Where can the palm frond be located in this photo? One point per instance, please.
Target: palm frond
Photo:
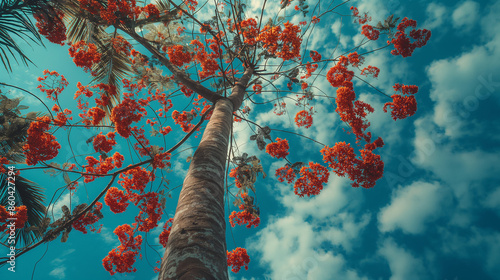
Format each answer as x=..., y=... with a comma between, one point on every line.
x=31, y=195
x=111, y=70
x=15, y=25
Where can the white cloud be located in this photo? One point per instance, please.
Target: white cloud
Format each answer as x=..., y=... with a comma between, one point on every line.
x=403, y=264
x=292, y=245
x=436, y=15
x=493, y=200
x=412, y=207
x=67, y=200
x=478, y=244
x=462, y=84
x=465, y=15
x=59, y=272
x=108, y=236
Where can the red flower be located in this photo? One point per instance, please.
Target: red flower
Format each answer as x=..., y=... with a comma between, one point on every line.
x=311, y=180
x=121, y=45
x=278, y=149
x=123, y=114
x=238, y=258
x=257, y=88
x=315, y=56
x=41, y=145
x=151, y=10
x=364, y=171
x=88, y=219
x=355, y=60
x=402, y=44
x=370, y=70
x=21, y=216
x=104, y=143
x=369, y=32
x=84, y=55
x=122, y=259
x=178, y=56
x=403, y=106
x=3, y=160
x=117, y=200
x=244, y=217
x=285, y=173
x=166, y=232
x=51, y=26
x=52, y=83
x=95, y=114
x=303, y=118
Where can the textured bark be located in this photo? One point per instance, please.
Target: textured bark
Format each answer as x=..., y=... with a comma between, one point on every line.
x=197, y=245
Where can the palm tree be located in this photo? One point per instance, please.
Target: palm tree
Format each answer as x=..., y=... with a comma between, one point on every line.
x=13, y=131
x=15, y=25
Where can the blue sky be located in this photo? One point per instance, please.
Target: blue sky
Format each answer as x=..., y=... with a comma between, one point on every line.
x=434, y=215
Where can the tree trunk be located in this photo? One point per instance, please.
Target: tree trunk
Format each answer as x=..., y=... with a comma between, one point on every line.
x=197, y=245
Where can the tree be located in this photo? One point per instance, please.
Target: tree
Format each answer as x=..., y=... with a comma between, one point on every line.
x=232, y=58
x=14, y=129
x=15, y=25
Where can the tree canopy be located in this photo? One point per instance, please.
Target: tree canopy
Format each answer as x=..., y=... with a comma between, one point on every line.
x=166, y=72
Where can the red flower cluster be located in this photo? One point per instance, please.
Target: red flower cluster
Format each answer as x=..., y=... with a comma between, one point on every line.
x=161, y=160
x=40, y=145
x=3, y=160
x=234, y=174
x=350, y=110
x=370, y=70
x=151, y=211
x=121, y=45
x=257, y=88
x=285, y=173
x=207, y=61
x=166, y=232
x=93, y=116
x=123, y=114
x=52, y=83
x=116, y=199
x=403, y=106
x=88, y=219
x=102, y=166
x=360, y=19
x=21, y=216
x=244, y=217
x=278, y=149
x=248, y=27
x=402, y=43
x=51, y=26
x=122, y=259
x=315, y=56
x=84, y=55
x=311, y=180
x=355, y=60
x=178, y=56
x=310, y=68
x=62, y=117
x=284, y=44
x=104, y=143
x=184, y=119
x=369, y=32
x=151, y=11
x=303, y=118
x=135, y=179
x=238, y=258
x=364, y=171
